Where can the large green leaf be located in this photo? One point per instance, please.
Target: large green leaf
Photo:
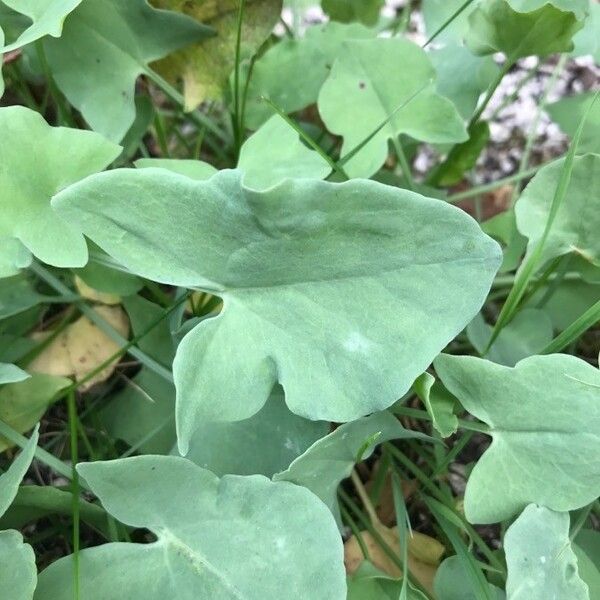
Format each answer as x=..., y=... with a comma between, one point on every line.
x=38, y=161
x=366, y=11
x=47, y=18
x=568, y=112
x=205, y=67
x=331, y=459
x=577, y=221
x=112, y=42
x=22, y=404
x=312, y=55
x=364, y=89
x=544, y=418
x=309, y=272
x=540, y=558
x=234, y=538
x=275, y=153
x=495, y=26
x=18, y=574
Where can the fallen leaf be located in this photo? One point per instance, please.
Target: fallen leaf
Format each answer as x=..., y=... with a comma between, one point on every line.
x=424, y=555
x=94, y=295
x=81, y=348
x=205, y=67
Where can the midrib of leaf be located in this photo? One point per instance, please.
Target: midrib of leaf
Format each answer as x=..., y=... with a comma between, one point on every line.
x=198, y=561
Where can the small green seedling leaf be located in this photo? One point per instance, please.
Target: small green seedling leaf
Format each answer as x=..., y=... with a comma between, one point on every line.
x=230, y=538
x=440, y=404
x=337, y=254
x=540, y=557
x=576, y=224
x=18, y=572
x=330, y=460
x=496, y=26
x=115, y=41
x=544, y=418
x=38, y=161
x=365, y=88
x=47, y=18
x=275, y=153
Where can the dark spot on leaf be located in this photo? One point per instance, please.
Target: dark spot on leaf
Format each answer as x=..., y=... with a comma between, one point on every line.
x=362, y=85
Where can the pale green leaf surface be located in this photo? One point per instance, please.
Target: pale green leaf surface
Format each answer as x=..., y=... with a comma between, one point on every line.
x=331, y=459
x=587, y=40
x=452, y=582
x=577, y=222
x=14, y=256
x=496, y=27
x=234, y=538
x=364, y=89
x=11, y=373
x=544, y=418
x=312, y=56
x=346, y=11
x=195, y=169
x=112, y=42
x=305, y=270
x=47, y=18
x=461, y=76
x=22, y=404
x=18, y=573
x=527, y=334
x=58, y=156
x=540, y=558
x=568, y=112
x=437, y=12
x=264, y=444
x=440, y=404
x=275, y=153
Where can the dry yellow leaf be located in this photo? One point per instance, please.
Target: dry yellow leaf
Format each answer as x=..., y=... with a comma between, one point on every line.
x=81, y=348
x=424, y=555
x=94, y=295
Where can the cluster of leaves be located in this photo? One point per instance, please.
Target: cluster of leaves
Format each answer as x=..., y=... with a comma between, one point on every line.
x=308, y=321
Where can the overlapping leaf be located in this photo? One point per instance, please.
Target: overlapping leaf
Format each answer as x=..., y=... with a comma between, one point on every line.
x=206, y=66
x=57, y=157
x=540, y=558
x=365, y=88
x=576, y=223
x=232, y=538
x=544, y=418
x=308, y=271
x=112, y=42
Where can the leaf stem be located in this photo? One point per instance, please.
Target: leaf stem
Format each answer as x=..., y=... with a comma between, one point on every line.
x=491, y=91
x=72, y=411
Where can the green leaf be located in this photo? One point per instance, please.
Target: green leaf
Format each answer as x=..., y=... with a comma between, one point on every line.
x=47, y=18
x=577, y=220
x=195, y=169
x=437, y=12
x=527, y=334
x=18, y=573
x=452, y=582
x=365, y=87
x=231, y=538
x=312, y=55
x=265, y=444
x=587, y=550
x=462, y=157
x=440, y=404
x=17, y=295
x=23, y=404
x=540, y=558
x=462, y=77
x=275, y=153
x=114, y=43
x=587, y=40
x=30, y=178
x=205, y=67
x=495, y=26
x=365, y=11
x=568, y=112
x=331, y=459
x=579, y=7
x=107, y=280
x=369, y=583
x=544, y=418
x=337, y=254
x=11, y=374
